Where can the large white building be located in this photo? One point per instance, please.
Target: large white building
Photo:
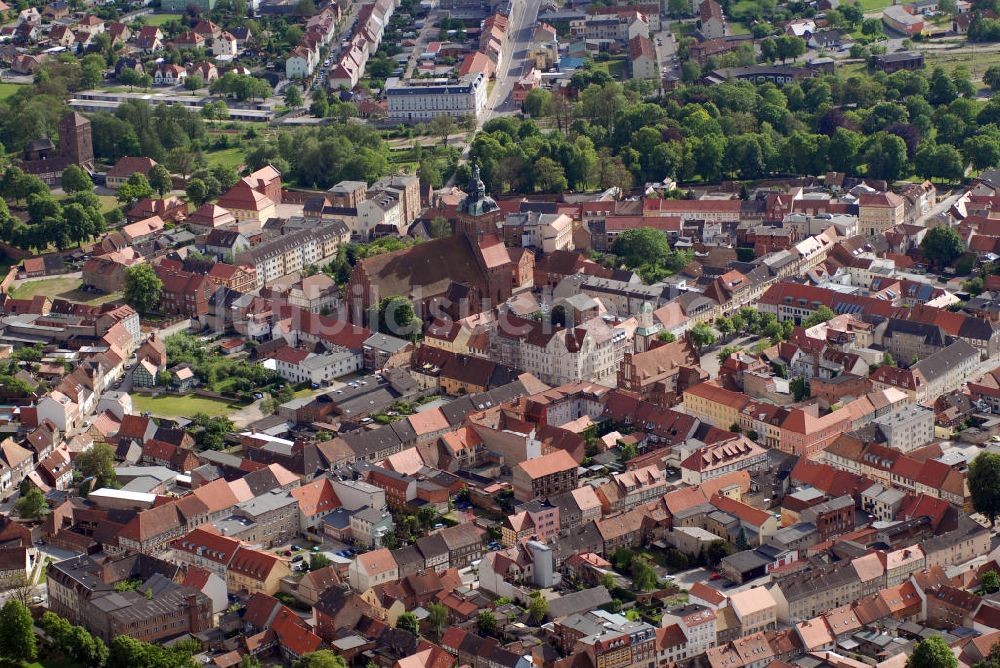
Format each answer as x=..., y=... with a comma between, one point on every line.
x=557, y=356
x=421, y=100
x=301, y=366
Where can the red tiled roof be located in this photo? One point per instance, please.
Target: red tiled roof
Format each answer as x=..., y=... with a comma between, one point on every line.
x=253, y=563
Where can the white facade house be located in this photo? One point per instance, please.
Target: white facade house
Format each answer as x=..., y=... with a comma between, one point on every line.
x=299, y=366
x=419, y=101
x=384, y=209
x=225, y=45
x=590, y=351
x=301, y=63
x=60, y=409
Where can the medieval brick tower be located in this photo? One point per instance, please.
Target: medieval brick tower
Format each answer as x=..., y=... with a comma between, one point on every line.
x=75, y=140
x=478, y=213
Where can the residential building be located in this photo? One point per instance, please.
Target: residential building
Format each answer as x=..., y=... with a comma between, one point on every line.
x=880, y=211
x=372, y=568
x=547, y=475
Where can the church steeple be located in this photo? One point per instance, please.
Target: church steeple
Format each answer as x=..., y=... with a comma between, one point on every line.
x=647, y=329
x=478, y=213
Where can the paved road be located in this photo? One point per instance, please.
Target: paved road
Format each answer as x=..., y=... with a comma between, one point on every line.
x=513, y=66
x=515, y=62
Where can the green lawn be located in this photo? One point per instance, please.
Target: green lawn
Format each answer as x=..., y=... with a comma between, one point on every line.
x=737, y=28
x=160, y=19
x=8, y=89
x=229, y=157
x=873, y=5
x=62, y=287
x=170, y=405
x=108, y=202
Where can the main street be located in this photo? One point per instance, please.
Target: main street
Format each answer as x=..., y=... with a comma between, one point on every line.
x=513, y=66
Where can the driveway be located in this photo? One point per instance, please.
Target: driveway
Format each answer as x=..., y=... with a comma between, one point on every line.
x=248, y=414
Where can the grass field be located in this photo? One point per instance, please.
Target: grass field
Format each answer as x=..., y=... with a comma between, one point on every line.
x=62, y=287
x=108, y=202
x=873, y=5
x=160, y=19
x=976, y=63
x=8, y=89
x=229, y=157
x=179, y=406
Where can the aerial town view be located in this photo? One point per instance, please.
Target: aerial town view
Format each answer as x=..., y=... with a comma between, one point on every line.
x=500, y=333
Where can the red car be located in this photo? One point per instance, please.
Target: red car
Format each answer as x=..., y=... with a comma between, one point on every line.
x=715, y=576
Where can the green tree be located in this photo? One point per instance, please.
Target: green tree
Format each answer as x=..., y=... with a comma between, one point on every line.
x=678, y=8
x=984, y=484
x=888, y=359
x=992, y=77
x=789, y=46
x=638, y=246
x=32, y=504
x=196, y=191
x=98, y=463
x=820, y=315
x=396, y=317
x=886, y=157
x=407, y=621
x=75, y=180
x=17, y=634
x=982, y=151
x=160, y=180
x=134, y=189
x=143, y=288
x=871, y=27
x=943, y=90
x=486, y=622
x=702, y=335
x=666, y=337
x=437, y=618
x=439, y=227
x=932, y=652
x=442, y=126
x=799, y=387
x=549, y=176
x=643, y=575
x=716, y=551
x=939, y=160
x=538, y=607
x=608, y=581
x=537, y=102
x=942, y=246
x=293, y=96
x=989, y=582
x=318, y=561
x=324, y=658
x=210, y=431
x=629, y=451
